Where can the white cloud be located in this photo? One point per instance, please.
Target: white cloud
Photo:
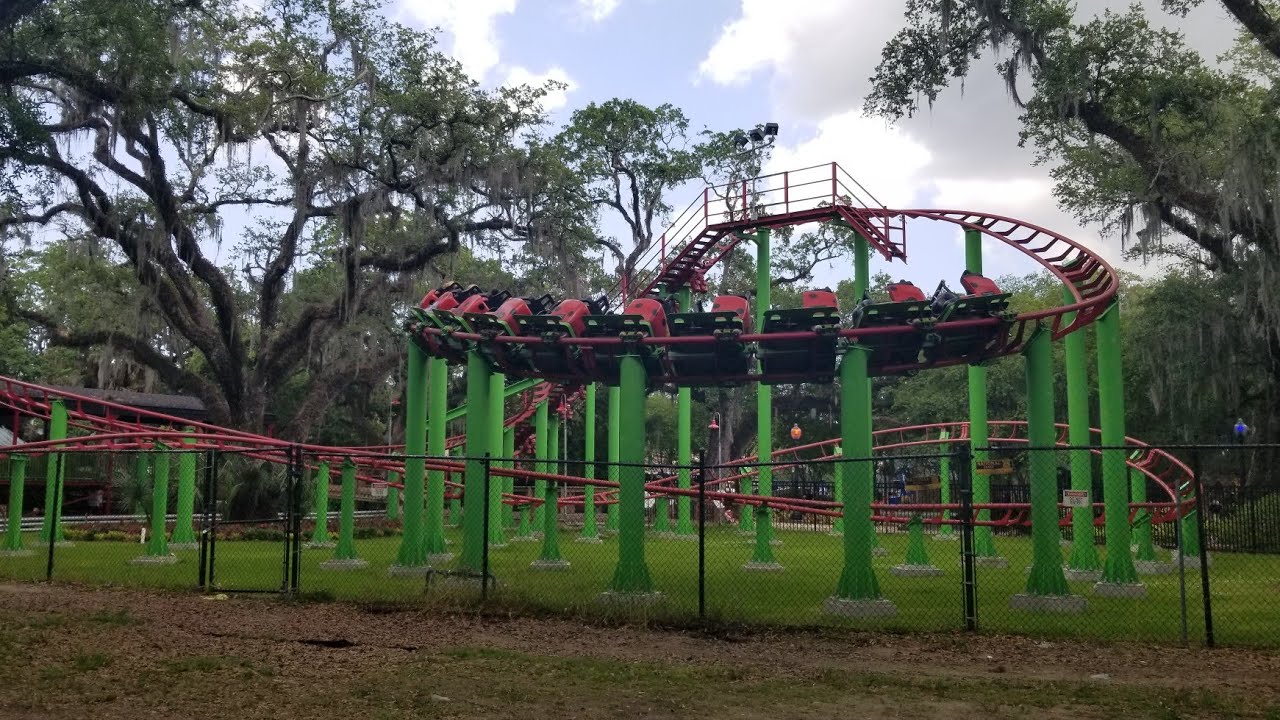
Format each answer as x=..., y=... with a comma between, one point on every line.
x=765, y=37
x=1013, y=194
x=555, y=99
x=597, y=10
x=884, y=160
x=470, y=24
x=960, y=154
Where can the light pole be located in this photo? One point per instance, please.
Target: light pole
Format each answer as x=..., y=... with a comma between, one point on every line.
x=753, y=141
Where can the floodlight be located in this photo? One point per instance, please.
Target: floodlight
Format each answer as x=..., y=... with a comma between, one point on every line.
x=741, y=140
x=756, y=135
x=771, y=129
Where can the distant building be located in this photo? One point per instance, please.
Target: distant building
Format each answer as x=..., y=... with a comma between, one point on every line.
x=89, y=476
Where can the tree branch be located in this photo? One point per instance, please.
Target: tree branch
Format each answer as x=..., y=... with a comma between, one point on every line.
x=1253, y=15
x=141, y=349
x=43, y=218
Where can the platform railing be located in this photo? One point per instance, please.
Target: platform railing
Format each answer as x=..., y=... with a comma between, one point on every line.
x=727, y=206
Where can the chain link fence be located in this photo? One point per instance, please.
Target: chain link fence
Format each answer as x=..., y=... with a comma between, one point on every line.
x=1134, y=543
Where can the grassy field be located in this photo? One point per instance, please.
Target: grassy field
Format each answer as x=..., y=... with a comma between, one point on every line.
x=1245, y=588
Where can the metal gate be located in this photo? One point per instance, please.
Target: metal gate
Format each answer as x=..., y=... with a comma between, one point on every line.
x=250, y=536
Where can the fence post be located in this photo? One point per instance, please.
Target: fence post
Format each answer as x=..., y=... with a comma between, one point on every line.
x=56, y=516
x=702, y=537
x=1204, y=549
x=295, y=520
x=211, y=497
x=287, y=521
x=202, y=571
x=969, y=577
x=484, y=551
x=1182, y=568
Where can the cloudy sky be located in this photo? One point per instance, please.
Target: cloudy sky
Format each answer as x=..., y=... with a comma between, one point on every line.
x=804, y=64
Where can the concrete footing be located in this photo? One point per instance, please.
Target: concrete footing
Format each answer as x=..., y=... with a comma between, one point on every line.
x=1191, y=561
x=184, y=546
x=991, y=561
x=169, y=559
x=1062, y=604
x=879, y=551
x=319, y=546
x=439, y=558
x=348, y=564
x=584, y=539
x=1120, y=590
x=630, y=599
x=763, y=567
x=949, y=537
x=408, y=570
x=860, y=608
x=549, y=565
x=16, y=553
x=1085, y=575
x=915, y=570
x=1153, y=567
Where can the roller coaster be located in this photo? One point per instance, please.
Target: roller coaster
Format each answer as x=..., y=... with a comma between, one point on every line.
x=648, y=332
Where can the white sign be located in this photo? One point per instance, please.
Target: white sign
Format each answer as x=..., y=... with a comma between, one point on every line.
x=1075, y=498
x=378, y=491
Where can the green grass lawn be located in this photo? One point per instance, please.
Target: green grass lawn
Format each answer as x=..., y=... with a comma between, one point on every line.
x=1245, y=588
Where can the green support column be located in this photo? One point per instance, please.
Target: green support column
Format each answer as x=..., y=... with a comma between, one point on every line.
x=837, y=491
x=1144, y=559
x=393, y=495
x=157, y=543
x=1046, y=585
x=1083, y=563
x=497, y=415
x=662, y=515
x=1119, y=576
x=550, y=558
x=320, y=536
x=684, y=445
x=524, y=531
x=456, y=513
x=344, y=555
x=1190, y=534
x=917, y=564
x=53, y=491
x=413, y=551
x=662, y=504
x=541, y=448
x=590, y=534
x=478, y=433
x=857, y=592
x=984, y=546
x=861, y=286
x=508, y=484
x=614, y=450
x=13, y=533
x=945, y=531
x=434, y=545
x=631, y=577
x=184, y=532
x=762, y=557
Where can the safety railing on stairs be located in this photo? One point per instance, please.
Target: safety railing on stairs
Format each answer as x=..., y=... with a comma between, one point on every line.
x=710, y=227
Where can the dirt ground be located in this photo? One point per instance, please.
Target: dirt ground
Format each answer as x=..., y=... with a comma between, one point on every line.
x=70, y=652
